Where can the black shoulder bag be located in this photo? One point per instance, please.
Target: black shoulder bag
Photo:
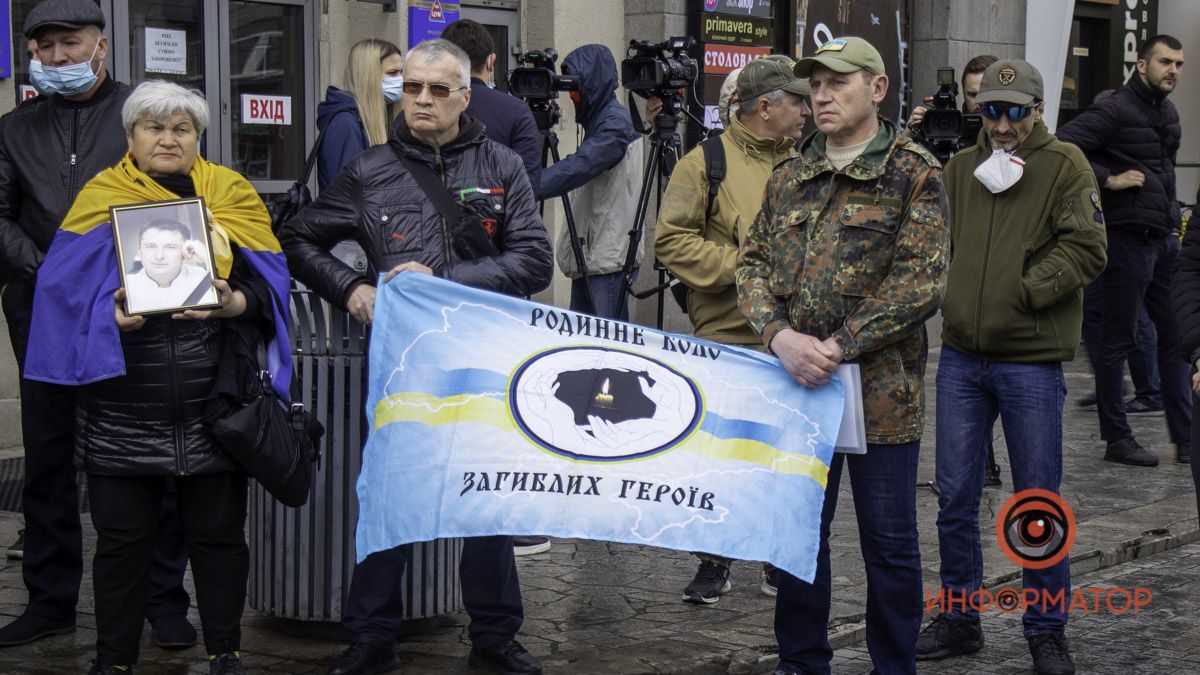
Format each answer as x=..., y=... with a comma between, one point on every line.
x=283, y=207
x=468, y=235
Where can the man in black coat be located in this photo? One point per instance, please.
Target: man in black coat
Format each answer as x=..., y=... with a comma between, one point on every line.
x=1131, y=139
x=377, y=201
x=50, y=147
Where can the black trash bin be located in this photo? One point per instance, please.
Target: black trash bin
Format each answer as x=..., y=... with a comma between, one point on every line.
x=301, y=559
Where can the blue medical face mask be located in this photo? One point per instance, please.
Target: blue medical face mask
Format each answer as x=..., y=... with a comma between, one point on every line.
x=393, y=87
x=69, y=80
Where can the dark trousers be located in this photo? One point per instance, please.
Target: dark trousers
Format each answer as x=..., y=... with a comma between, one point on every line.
x=126, y=511
x=1143, y=360
x=53, y=559
x=491, y=593
x=1139, y=272
x=883, y=483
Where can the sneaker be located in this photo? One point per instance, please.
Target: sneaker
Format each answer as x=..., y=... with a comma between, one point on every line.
x=770, y=584
x=991, y=476
x=949, y=637
x=710, y=582
x=226, y=664
x=1136, y=407
x=1050, y=654
x=17, y=550
x=530, y=545
x=173, y=631
x=98, y=669
x=1183, y=453
x=365, y=658
x=30, y=627
x=1128, y=451
x=507, y=657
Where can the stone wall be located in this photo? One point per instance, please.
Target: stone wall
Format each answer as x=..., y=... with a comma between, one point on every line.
x=951, y=32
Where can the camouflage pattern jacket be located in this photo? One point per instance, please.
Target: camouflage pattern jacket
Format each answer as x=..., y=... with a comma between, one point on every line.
x=860, y=255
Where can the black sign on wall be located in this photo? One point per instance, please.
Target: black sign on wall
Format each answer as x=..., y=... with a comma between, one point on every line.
x=883, y=23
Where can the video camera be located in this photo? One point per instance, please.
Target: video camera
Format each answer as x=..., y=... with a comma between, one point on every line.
x=659, y=69
x=536, y=80
x=946, y=129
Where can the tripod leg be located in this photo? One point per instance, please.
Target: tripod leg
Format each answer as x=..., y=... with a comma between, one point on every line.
x=550, y=143
x=639, y=224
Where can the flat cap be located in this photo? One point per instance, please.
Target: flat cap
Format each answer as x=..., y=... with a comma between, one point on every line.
x=69, y=14
x=768, y=74
x=843, y=55
x=1010, y=81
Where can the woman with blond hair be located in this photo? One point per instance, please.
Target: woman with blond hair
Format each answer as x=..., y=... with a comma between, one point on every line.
x=359, y=116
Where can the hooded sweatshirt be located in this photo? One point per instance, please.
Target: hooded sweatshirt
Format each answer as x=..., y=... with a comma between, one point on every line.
x=342, y=134
x=603, y=176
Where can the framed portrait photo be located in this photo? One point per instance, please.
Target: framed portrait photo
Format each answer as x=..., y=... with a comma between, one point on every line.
x=164, y=256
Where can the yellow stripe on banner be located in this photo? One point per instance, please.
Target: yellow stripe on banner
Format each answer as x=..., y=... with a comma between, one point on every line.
x=434, y=411
x=414, y=406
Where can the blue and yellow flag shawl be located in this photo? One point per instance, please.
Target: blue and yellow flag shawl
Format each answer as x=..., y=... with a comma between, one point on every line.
x=78, y=340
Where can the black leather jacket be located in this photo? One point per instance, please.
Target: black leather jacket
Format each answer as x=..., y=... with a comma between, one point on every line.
x=376, y=202
x=49, y=148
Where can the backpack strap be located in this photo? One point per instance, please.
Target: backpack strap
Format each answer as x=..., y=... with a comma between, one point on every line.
x=714, y=171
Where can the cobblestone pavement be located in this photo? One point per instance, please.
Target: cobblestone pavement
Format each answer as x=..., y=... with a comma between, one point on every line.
x=1161, y=638
x=597, y=607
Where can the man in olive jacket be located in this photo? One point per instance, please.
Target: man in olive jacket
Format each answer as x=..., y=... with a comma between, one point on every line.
x=698, y=234
x=1026, y=235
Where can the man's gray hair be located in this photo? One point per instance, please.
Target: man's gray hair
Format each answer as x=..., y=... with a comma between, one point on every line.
x=431, y=50
x=772, y=97
x=159, y=99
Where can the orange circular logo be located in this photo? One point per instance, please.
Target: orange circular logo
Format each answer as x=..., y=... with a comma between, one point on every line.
x=1035, y=528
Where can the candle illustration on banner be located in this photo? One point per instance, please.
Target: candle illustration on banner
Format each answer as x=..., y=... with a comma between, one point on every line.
x=604, y=398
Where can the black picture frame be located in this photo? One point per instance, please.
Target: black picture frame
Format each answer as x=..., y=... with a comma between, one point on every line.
x=176, y=229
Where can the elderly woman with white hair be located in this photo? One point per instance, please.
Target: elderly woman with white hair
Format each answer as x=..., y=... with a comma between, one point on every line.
x=147, y=384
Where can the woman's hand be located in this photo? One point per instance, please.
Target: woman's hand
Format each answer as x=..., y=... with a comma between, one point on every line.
x=233, y=304
x=125, y=322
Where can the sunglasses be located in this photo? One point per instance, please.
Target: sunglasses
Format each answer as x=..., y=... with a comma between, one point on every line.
x=414, y=88
x=1015, y=113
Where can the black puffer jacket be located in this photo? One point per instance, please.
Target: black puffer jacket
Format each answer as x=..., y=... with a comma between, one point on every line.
x=148, y=422
x=1185, y=291
x=49, y=148
x=376, y=202
x=1134, y=128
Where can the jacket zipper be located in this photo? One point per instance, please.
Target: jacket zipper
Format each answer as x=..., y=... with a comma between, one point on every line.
x=437, y=156
x=983, y=276
x=71, y=189
x=176, y=412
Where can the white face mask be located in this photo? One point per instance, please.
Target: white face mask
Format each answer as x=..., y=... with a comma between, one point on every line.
x=1001, y=171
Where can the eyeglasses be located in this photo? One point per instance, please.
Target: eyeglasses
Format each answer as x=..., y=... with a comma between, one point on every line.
x=1015, y=113
x=414, y=88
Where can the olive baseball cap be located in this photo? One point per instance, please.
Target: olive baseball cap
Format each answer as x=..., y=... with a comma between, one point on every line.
x=1010, y=81
x=843, y=55
x=69, y=14
x=768, y=74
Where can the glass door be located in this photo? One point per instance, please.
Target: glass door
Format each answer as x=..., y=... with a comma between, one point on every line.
x=504, y=28
x=266, y=60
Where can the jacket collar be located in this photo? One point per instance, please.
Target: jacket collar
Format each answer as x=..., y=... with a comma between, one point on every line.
x=470, y=132
x=754, y=145
x=1143, y=91
x=868, y=166
x=1039, y=138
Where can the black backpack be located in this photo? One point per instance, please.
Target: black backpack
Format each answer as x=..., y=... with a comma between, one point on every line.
x=714, y=171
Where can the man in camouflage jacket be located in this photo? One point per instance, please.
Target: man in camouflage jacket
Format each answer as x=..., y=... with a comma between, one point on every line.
x=845, y=262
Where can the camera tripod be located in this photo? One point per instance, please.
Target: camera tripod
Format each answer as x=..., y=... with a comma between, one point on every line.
x=664, y=152
x=546, y=114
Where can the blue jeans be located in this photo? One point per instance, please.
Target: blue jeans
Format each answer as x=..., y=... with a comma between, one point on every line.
x=604, y=293
x=1028, y=397
x=884, y=485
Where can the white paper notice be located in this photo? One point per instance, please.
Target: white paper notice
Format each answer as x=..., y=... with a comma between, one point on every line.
x=852, y=437
x=166, y=51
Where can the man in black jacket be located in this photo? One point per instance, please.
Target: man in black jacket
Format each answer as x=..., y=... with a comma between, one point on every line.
x=1131, y=139
x=50, y=147
x=378, y=202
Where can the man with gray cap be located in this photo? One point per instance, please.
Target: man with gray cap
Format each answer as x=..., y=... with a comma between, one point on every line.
x=699, y=229
x=49, y=148
x=1027, y=235
x=845, y=262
